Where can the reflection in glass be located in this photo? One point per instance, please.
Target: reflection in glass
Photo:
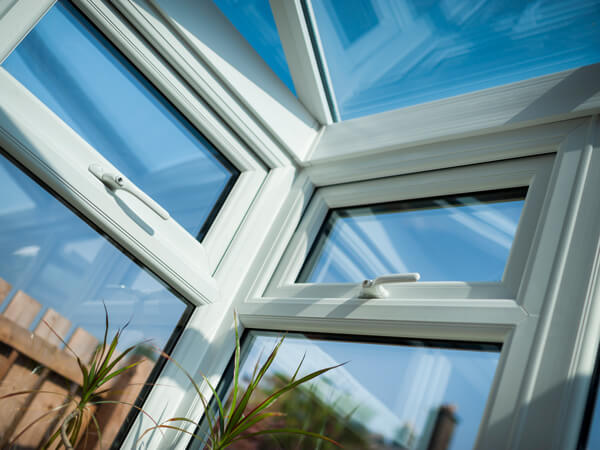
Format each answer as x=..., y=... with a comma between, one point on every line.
x=60, y=269
x=387, y=396
x=80, y=76
x=254, y=20
x=394, y=53
x=463, y=237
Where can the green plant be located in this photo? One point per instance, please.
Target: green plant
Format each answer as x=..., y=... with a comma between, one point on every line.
x=102, y=368
x=233, y=424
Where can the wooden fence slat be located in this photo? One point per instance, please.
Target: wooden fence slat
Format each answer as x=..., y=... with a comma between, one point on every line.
x=111, y=416
x=5, y=352
x=37, y=349
x=37, y=404
x=83, y=344
x=36, y=361
x=59, y=324
x=5, y=288
x=21, y=310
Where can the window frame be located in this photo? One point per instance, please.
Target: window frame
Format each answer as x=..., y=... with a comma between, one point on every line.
x=527, y=366
x=197, y=272
x=207, y=254
x=550, y=335
x=221, y=66
x=532, y=172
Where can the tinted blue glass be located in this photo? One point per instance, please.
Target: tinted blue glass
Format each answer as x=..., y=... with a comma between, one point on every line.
x=84, y=80
x=453, y=238
x=69, y=273
x=419, y=51
x=254, y=20
x=593, y=438
x=53, y=256
x=386, y=396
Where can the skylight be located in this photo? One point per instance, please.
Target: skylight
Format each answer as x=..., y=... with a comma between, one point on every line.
x=254, y=20
x=388, y=54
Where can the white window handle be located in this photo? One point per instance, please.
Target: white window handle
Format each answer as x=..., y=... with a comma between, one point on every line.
x=115, y=181
x=375, y=289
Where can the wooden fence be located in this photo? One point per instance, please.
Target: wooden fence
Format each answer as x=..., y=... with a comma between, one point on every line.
x=35, y=360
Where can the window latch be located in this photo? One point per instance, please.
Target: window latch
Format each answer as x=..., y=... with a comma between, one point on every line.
x=115, y=181
x=375, y=289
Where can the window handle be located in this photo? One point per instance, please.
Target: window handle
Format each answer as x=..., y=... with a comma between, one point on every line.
x=115, y=181
x=375, y=289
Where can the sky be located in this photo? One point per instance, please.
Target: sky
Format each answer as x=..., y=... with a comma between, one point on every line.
x=411, y=52
x=79, y=75
x=391, y=384
x=445, y=240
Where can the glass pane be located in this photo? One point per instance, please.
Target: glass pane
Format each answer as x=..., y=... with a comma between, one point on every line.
x=54, y=266
x=79, y=75
x=387, y=396
x=464, y=237
x=254, y=20
x=388, y=54
x=589, y=438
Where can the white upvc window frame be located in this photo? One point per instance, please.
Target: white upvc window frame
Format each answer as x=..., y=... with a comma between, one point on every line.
x=200, y=272
x=210, y=54
x=524, y=323
x=550, y=330
x=26, y=112
x=532, y=173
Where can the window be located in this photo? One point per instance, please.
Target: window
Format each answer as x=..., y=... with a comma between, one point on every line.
x=152, y=146
x=284, y=164
x=397, y=405
x=421, y=236
x=418, y=52
x=107, y=102
x=57, y=269
x=370, y=248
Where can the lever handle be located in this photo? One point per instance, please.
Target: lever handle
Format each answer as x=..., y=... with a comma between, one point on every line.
x=375, y=289
x=115, y=181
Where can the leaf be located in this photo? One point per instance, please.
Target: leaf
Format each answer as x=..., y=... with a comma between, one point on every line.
x=181, y=430
x=117, y=402
x=118, y=372
x=274, y=396
x=47, y=413
x=239, y=410
x=97, y=425
x=30, y=391
x=105, y=331
x=238, y=430
x=298, y=368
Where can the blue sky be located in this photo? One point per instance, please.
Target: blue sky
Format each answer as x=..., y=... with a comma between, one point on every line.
x=391, y=384
x=84, y=80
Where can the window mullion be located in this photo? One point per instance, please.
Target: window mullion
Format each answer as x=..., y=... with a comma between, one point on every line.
x=17, y=19
x=210, y=54
x=208, y=341
x=302, y=61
